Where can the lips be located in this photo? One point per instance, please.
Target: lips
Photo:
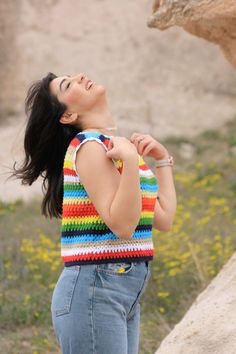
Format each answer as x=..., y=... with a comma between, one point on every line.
x=88, y=84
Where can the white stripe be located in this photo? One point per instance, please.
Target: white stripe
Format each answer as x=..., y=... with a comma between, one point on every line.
x=70, y=179
x=146, y=173
x=96, y=249
x=76, y=179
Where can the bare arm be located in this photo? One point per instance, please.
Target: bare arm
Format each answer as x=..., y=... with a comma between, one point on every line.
x=127, y=204
x=165, y=208
x=116, y=197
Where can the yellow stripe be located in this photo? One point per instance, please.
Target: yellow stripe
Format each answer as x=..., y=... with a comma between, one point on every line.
x=81, y=220
x=141, y=161
x=149, y=194
x=147, y=214
x=74, y=201
x=68, y=164
x=118, y=163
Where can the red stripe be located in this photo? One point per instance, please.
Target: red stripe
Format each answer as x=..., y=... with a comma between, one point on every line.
x=75, y=142
x=78, y=210
x=143, y=167
x=78, y=140
x=106, y=141
x=104, y=255
x=148, y=202
x=69, y=172
x=147, y=208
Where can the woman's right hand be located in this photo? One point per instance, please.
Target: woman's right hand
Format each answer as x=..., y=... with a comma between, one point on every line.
x=120, y=148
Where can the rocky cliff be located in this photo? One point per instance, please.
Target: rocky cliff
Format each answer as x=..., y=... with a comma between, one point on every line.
x=209, y=326
x=214, y=20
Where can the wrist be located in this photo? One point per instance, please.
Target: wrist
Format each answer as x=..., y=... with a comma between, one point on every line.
x=165, y=156
x=132, y=157
x=169, y=161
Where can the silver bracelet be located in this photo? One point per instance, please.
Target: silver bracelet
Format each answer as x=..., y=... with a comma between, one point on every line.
x=162, y=163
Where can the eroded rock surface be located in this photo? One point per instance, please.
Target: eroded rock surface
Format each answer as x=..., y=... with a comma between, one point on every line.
x=9, y=25
x=209, y=326
x=214, y=20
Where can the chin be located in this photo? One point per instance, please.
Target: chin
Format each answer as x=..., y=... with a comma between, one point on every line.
x=100, y=88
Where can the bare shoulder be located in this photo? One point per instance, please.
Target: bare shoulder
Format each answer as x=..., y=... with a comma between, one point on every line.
x=99, y=177
x=91, y=162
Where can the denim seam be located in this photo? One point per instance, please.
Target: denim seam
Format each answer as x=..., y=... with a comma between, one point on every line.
x=65, y=310
x=132, y=310
x=92, y=313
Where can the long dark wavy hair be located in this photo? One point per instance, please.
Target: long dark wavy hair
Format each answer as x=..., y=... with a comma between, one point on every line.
x=45, y=143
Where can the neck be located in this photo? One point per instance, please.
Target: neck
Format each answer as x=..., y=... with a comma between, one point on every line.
x=105, y=130
x=100, y=120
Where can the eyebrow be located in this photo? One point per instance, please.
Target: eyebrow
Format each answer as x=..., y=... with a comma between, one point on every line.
x=62, y=82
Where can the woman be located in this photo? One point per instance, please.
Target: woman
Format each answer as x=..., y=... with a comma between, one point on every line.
x=106, y=196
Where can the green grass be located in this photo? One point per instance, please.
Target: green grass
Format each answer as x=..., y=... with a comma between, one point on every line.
x=186, y=258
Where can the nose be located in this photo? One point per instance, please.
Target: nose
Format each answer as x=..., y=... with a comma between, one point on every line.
x=79, y=77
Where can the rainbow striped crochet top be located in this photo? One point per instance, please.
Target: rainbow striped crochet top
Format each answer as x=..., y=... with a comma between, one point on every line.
x=85, y=238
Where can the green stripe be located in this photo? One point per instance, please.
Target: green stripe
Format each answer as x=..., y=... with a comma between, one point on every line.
x=72, y=186
x=88, y=226
x=145, y=221
x=84, y=226
x=150, y=180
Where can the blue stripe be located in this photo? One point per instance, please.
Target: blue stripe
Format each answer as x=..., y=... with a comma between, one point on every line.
x=75, y=193
x=149, y=187
x=93, y=231
x=82, y=193
x=87, y=134
x=105, y=237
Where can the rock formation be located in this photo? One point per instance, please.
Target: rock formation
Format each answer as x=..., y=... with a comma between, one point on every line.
x=9, y=21
x=214, y=20
x=209, y=326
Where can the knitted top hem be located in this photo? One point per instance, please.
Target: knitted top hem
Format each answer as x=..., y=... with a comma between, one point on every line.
x=111, y=260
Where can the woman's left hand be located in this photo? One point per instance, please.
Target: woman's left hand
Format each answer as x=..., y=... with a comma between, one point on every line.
x=148, y=146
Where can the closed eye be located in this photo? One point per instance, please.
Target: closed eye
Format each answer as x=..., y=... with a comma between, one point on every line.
x=68, y=85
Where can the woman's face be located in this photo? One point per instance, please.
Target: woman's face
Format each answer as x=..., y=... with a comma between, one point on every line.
x=76, y=93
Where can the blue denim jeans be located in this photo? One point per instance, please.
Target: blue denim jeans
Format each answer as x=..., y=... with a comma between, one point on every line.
x=96, y=310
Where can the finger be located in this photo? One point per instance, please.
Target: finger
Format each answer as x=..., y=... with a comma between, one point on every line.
x=137, y=143
x=141, y=139
x=138, y=137
x=142, y=145
x=148, y=148
x=134, y=136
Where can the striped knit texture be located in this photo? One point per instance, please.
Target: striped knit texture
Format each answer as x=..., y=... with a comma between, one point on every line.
x=85, y=238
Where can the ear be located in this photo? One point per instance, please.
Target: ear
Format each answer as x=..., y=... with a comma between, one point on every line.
x=68, y=117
